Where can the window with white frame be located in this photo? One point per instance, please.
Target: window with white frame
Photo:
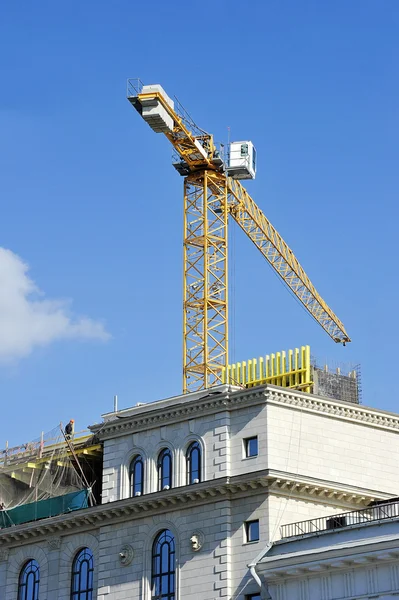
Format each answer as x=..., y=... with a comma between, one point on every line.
x=251, y=531
x=251, y=447
x=29, y=579
x=136, y=476
x=163, y=572
x=82, y=575
x=193, y=463
x=164, y=467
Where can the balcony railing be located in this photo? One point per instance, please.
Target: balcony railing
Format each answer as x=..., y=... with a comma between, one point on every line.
x=356, y=517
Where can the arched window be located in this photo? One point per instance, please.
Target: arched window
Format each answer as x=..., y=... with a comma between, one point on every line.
x=164, y=469
x=29, y=578
x=163, y=567
x=193, y=462
x=136, y=476
x=82, y=575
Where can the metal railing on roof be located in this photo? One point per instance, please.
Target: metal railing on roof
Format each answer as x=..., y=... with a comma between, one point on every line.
x=378, y=512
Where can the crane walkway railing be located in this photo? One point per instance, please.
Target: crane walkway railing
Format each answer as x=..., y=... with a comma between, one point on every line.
x=134, y=87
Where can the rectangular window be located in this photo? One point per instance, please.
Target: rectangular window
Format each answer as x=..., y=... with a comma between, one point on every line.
x=244, y=149
x=252, y=597
x=252, y=531
x=251, y=446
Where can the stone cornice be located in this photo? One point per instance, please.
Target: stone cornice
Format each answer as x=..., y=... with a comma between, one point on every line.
x=173, y=413
x=207, y=492
x=182, y=410
x=130, y=508
x=322, y=491
x=333, y=408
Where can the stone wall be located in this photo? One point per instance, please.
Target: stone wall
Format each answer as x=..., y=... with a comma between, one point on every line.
x=334, y=442
x=55, y=557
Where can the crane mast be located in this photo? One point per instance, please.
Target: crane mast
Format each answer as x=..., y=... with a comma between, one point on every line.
x=210, y=197
x=205, y=291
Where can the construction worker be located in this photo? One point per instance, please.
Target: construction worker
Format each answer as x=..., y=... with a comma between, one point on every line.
x=69, y=429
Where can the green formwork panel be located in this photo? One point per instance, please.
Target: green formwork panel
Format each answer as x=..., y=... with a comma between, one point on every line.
x=44, y=508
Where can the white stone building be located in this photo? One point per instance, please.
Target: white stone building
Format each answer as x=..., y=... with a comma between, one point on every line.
x=350, y=556
x=195, y=487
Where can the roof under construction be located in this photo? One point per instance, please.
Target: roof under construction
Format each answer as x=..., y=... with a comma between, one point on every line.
x=53, y=466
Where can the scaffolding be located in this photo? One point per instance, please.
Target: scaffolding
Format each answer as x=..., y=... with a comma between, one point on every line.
x=49, y=467
x=340, y=382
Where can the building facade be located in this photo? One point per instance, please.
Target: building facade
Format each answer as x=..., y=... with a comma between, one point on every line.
x=352, y=556
x=195, y=487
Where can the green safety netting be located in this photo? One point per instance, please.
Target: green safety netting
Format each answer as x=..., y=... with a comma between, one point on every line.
x=44, y=508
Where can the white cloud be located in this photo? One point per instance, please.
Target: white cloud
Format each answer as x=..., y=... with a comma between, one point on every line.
x=28, y=319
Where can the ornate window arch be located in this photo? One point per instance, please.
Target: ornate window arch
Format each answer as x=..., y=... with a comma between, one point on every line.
x=136, y=476
x=163, y=571
x=82, y=583
x=29, y=579
x=165, y=469
x=193, y=463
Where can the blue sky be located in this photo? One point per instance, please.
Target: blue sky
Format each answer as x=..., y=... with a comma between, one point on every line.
x=91, y=202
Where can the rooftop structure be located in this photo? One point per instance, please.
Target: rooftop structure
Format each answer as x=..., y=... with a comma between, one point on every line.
x=295, y=369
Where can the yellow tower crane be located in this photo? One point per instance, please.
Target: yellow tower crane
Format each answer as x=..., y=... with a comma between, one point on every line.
x=212, y=194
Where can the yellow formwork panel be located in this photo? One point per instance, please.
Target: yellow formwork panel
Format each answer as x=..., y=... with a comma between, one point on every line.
x=290, y=369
